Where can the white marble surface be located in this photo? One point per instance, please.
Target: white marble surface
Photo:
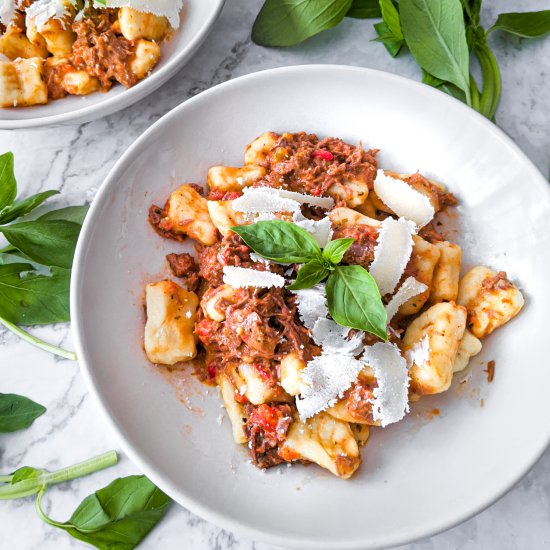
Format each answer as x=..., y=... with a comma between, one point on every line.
x=77, y=158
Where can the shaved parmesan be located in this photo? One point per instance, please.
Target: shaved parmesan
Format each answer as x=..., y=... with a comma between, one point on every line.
x=409, y=289
x=403, y=199
x=41, y=11
x=392, y=253
x=7, y=11
x=258, y=259
x=256, y=200
x=244, y=277
x=333, y=337
x=419, y=354
x=321, y=230
x=322, y=202
x=312, y=304
x=325, y=379
x=391, y=396
x=163, y=8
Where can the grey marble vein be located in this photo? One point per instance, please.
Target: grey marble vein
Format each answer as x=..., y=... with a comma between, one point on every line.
x=77, y=158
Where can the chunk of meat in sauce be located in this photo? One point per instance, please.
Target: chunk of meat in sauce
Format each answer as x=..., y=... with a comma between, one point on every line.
x=101, y=52
x=157, y=219
x=361, y=251
x=265, y=430
x=184, y=266
x=301, y=162
x=499, y=281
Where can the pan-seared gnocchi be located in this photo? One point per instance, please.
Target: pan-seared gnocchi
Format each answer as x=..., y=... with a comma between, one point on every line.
x=86, y=46
x=490, y=298
x=431, y=343
x=299, y=384
x=171, y=313
x=324, y=440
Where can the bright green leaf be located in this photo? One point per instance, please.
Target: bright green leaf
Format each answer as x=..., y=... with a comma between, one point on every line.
x=17, y=412
x=119, y=516
x=74, y=214
x=289, y=22
x=279, y=241
x=21, y=207
x=26, y=472
x=30, y=298
x=354, y=300
x=8, y=185
x=48, y=242
x=392, y=44
x=309, y=275
x=525, y=24
x=364, y=9
x=435, y=33
x=335, y=250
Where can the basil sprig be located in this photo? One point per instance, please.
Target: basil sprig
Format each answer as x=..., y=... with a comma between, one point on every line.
x=35, y=291
x=353, y=297
x=442, y=35
x=17, y=412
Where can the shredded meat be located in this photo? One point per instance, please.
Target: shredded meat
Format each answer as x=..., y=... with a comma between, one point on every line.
x=499, y=281
x=360, y=398
x=54, y=72
x=157, y=218
x=101, y=52
x=301, y=162
x=265, y=430
x=361, y=250
x=184, y=266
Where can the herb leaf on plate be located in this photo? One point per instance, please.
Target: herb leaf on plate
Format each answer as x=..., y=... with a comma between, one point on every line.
x=289, y=22
x=334, y=251
x=17, y=412
x=309, y=275
x=8, y=185
x=279, y=241
x=354, y=300
x=435, y=33
x=524, y=24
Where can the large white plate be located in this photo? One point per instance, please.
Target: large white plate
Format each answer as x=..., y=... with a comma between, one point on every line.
x=197, y=18
x=419, y=476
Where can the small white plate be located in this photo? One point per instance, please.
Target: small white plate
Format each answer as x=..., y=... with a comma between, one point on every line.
x=418, y=477
x=197, y=18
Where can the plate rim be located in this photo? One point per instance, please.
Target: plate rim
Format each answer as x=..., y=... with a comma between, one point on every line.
x=239, y=526
x=130, y=96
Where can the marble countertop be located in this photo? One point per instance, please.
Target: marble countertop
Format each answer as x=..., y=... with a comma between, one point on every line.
x=76, y=159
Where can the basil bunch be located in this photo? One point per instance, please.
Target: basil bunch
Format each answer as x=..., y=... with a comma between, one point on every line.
x=442, y=35
x=117, y=517
x=352, y=295
x=35, y=266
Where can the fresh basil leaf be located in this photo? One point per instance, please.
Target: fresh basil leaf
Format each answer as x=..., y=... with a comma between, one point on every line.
x=354, y=300
x=446, y=87
x=528, y=24
x=435, y=33
x=8, y=185
x=26, y=472
x=289, y=22
x=48, y=242
x=309, y=275
x=17, y=412
x=21, y=207
x=392, y=44
x=364, y=9
x=119, y=516
x=390, y=15
x=279, y=241
x=30, y=298
x=431, y=80
x=335, y=250
x=74, y=214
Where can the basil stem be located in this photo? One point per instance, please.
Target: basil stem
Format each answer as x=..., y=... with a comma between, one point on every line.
x=43, y=515
x=474, y=92
x=490, y=95
x=38, y=342
x=34, y=485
